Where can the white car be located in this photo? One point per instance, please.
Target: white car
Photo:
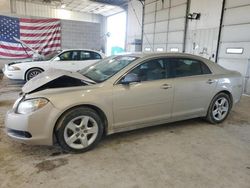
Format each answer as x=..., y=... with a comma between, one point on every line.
x=71, y=60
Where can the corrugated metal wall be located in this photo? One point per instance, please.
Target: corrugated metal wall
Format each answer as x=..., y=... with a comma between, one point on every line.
x=202, y=42
x=164, y=25
x=234, y=49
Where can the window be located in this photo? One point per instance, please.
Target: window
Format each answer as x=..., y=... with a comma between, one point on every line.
x=66, y=56
x=69, y=56
x=155, y=69
x=234, y=50
x=189, y=67
x=174, y=49
x=159, y=49
x=147, y=49
x=86, y=55
x=95, y=55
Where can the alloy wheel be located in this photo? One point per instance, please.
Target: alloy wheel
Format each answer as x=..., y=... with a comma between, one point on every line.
x=220, y=108
x=80, y=132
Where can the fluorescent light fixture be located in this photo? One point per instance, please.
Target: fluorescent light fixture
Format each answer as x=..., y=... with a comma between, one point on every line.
x=174, y=49
x=234, y=50
x=159, y=49
x=63, y=6
x=147, y=49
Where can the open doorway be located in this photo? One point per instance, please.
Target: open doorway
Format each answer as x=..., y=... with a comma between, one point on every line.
x=116, y=27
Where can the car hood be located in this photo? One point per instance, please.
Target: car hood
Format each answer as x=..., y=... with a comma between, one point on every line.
x=54, y=78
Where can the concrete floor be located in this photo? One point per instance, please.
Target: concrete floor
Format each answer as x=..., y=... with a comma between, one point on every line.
x=186, y=154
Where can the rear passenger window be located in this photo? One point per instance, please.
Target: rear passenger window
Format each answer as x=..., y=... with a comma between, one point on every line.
x=95, y=55
x=88, y=55
x=84, y=55
x=189, y=67
x=205, y=69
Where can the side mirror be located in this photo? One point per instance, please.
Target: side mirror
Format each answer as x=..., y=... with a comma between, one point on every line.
x=57, y=58
x=130, y=78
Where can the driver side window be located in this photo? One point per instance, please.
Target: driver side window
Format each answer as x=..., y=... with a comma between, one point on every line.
x=154, y=69
x=69, y=56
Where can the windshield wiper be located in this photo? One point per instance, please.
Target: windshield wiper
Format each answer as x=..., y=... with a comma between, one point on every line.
x=88, y=82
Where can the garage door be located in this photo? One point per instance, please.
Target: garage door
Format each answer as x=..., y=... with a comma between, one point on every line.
x=234, y=49
x=164, y=25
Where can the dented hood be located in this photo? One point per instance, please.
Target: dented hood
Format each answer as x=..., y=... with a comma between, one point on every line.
x=54, y=78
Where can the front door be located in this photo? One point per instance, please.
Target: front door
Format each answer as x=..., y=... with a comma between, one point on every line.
x=149, y=100
x=66, y=61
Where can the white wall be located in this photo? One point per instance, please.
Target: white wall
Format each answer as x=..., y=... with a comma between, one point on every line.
x=133, y=25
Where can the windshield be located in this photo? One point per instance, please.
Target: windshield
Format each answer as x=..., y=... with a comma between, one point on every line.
x=107, y=67
x=51, y=55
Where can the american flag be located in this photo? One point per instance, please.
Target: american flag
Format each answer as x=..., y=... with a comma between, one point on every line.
x=42, y=35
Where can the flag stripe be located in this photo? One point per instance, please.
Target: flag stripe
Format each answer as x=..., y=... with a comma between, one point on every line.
x=39, y=34
x=30, y=20
x=39, y=24
x=40, y=41
x=10, y=55
x=41, y=38
x=40, y=31
x=39, y=27
x=6, y=47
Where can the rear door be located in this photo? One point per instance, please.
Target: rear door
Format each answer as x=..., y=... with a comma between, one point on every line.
x=194, y=87
x=87, y=58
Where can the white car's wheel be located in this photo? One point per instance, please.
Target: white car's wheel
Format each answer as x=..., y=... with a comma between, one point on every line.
x=80, y=130
x=31, y=73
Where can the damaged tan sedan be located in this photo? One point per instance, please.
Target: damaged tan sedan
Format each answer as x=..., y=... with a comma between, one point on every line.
x=120, y=93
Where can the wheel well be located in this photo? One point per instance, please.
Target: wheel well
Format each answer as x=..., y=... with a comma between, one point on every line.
x=227, y=93
x=95, y=108
x=30, y=69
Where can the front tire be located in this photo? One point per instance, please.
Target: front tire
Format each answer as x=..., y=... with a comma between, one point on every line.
x=219, y=108
x=31, y=73
x=79, y=130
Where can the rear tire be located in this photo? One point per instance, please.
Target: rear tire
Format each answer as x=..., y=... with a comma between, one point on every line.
x=31, y=73
x=79, y=130
x=219, y=108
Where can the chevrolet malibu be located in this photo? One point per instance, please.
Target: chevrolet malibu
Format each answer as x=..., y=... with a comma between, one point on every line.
x=120, y=93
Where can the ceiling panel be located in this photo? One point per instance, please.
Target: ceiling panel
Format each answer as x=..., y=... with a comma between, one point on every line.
x=102, y=7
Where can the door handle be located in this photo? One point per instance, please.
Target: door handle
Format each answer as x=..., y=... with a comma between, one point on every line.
x=210, y=81
x=166, y=86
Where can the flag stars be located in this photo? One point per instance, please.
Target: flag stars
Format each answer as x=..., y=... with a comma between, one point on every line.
x=9, y=28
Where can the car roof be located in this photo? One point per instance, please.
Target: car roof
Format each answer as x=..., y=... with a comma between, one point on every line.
x=64, y=50
x=160, y=54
